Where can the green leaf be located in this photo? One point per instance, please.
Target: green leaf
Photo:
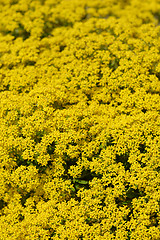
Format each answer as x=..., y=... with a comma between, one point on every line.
x=73, y=189
x=82, y=181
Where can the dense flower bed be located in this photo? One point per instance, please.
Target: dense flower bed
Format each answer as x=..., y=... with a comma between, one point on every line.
x=79, y=119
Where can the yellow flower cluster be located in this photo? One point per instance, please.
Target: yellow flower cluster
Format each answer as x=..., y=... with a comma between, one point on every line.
x=79, y=119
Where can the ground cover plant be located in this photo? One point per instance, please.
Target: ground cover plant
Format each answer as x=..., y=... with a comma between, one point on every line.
x=79, y=119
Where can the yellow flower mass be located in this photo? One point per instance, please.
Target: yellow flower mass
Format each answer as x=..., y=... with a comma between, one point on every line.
x=79, y=120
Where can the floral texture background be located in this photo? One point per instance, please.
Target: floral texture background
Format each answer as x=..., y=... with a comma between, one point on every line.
x=79, y=119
